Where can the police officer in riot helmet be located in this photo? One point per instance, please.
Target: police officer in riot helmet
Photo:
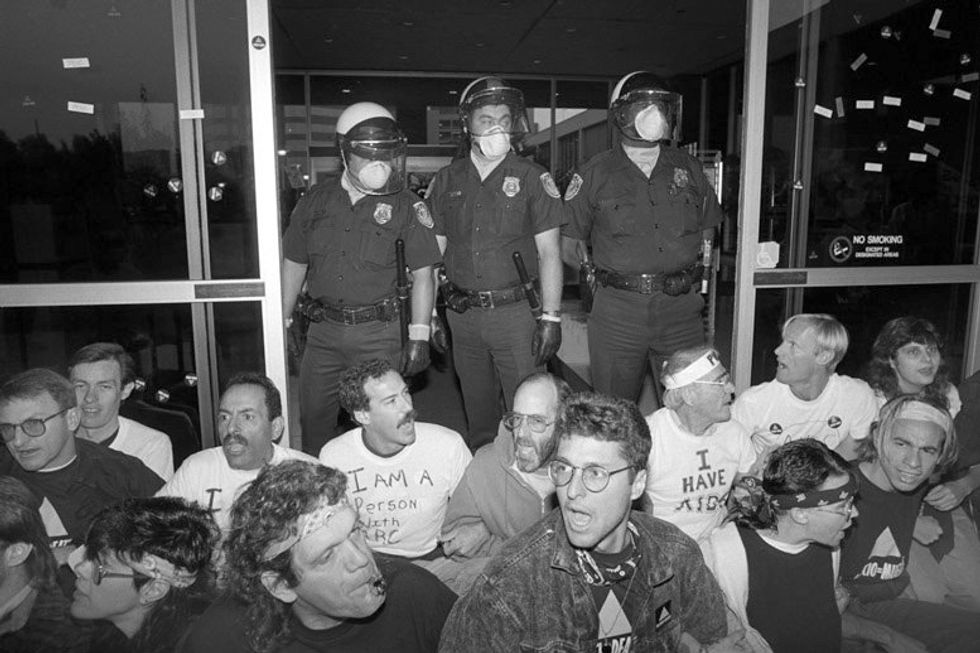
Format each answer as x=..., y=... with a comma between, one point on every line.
x=490, y=208
x=645, y=211
x=341, y=242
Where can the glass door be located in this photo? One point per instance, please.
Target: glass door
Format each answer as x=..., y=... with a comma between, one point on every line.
x=859, y=181
x=138, y=201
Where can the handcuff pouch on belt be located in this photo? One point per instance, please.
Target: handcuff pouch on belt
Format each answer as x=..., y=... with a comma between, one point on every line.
x=461, y=300
x=587, y=284
x=316, y=310
x=673, y=284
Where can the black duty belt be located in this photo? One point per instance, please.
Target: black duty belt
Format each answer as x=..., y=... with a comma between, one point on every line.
x=494, y=298
x=384, y=311
x=645, y=284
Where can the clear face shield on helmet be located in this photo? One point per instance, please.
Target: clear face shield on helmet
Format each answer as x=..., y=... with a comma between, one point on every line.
x=494, y=117
x=374, y=153
x=647, y=114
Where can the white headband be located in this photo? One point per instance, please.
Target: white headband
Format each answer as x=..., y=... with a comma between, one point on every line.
x=923, y=412
x=707, y=362
x=152, y=566
x=305, y=525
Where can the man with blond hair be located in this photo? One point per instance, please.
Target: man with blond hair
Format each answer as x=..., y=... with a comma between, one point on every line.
x=808, y=399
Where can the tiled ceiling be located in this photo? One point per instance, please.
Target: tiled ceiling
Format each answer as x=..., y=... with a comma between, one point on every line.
x=589, y=38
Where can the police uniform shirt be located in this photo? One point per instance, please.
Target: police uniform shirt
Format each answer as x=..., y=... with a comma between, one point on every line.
x=487, y=221
x=350, y=250
x=640, y=225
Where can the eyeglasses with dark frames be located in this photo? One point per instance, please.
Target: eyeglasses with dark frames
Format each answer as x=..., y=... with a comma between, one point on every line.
x=595, y=478
x=33, y=427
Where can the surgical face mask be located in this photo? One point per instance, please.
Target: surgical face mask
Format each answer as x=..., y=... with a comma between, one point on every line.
x=494, y=145
x=651, y=125
x=374, y=175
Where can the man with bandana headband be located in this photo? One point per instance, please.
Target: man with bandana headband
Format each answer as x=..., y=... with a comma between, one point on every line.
x=250, y=424
x=487, y=207
x=913, y=438
x=645, y=209
x=300, y=578
x=341, y=241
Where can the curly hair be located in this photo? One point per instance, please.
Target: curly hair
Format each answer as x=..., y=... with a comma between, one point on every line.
x=273, y=399
x=20, y=521
x=173, y=529
x=795, y=467
x=869, y=447
x=351, y=394
x=264, y=513
x=893, y=336
x=97, y=352
x=610, y=419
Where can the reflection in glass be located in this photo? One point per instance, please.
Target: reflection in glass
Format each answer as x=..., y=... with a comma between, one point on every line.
x=870, y=142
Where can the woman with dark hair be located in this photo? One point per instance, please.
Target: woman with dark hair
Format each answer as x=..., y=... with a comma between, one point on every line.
x=146, y=569
x=944, y=562
x=906, y=358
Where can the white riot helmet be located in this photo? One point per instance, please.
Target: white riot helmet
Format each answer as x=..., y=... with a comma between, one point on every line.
x=372, y=148
x=496, y=129
x=644, y=108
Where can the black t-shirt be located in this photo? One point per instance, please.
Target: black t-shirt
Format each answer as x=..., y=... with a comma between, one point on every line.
x=410, y=621
x=875, y=551
x=791, y=596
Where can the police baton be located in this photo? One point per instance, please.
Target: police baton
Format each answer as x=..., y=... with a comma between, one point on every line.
x=401, y=289
x=529, y=290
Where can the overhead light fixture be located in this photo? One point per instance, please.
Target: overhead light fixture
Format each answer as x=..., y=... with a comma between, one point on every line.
x=345, y=90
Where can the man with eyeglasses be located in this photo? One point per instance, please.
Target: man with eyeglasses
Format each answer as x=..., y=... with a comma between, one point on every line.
x=488, y=206
x=698, y=449
x=300, y=577
x=74, y=478
x=594, y=575
x=400, y=472
x=145, y=569
x=507, y=488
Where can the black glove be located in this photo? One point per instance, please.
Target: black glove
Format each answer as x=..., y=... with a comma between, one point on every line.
x=547, y=340
x=455, y=299
x=415, y=357
x=439, y=335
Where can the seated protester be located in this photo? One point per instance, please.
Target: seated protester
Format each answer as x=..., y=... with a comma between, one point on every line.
x=506, y=488
x=808, y=399
x=145, y=568
x=33, y=609
x=945, y=566
x=300, y=577
x=74, y=478
x=400, y=473
x=698, y=449
x=250, y=423
x=593, y=575
x=103, y=375
x=913, y=438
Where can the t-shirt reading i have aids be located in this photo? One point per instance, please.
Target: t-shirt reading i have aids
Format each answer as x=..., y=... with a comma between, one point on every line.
x=688, y=476
x=401, y=499
x=774, y=415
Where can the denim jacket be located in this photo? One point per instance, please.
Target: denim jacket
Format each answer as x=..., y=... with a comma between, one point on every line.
x=533, y=597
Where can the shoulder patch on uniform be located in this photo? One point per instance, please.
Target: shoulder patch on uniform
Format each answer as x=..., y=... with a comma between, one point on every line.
x=512, y=186
x=423, y=215
x=549, y=185
x=573, y=187
x=382, y=213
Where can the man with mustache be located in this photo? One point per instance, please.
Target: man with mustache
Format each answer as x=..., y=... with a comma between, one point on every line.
x=913, y=438
x=698, y=449
x=400, y=472
x=299, y=577
x=250, y=424
x=594, y=575
x=506, y=488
